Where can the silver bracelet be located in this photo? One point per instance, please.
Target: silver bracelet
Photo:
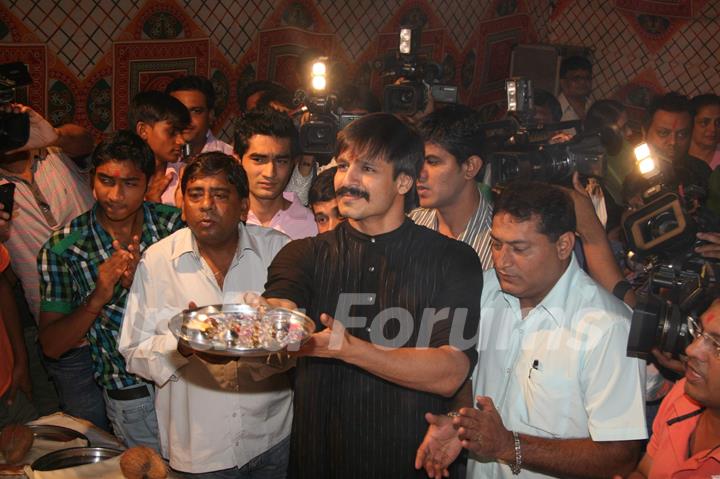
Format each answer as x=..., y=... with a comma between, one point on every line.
x=453, y=414
x=517, y=467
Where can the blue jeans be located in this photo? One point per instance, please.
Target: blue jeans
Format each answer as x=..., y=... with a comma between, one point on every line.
x=74, y=380
x=134, y=420
x=271, y=464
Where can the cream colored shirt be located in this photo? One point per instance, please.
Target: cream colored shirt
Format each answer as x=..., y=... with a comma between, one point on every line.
x=561, y=372
x=210, y=417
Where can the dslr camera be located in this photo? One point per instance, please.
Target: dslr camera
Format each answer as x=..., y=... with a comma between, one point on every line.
x=14, y=127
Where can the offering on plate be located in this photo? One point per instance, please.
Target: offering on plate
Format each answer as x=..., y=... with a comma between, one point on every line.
x=242, y=330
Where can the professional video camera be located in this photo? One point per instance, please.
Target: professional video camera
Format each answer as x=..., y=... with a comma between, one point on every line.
x=410, y=96
x=14, y=127
x=661, y=237
x=319, y=128
x=513, y=154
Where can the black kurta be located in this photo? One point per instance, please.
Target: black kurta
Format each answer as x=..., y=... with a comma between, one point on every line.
x=349, y=423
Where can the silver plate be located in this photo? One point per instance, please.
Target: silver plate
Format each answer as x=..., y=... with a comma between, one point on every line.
x=184, y=326
x=73, y=457
x=56, y=433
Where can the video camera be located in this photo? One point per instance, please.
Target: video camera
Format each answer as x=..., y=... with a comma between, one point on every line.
x=513, y=154
x=325, y=118
x=661, y=237
x=14, y=127
x=411, y=95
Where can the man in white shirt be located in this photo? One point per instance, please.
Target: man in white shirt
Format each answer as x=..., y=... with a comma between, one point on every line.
x=556, y=394
x=265, y=141
x=575, y=87
x=214, y=419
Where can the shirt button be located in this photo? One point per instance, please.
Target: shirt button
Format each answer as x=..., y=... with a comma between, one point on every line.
x=372, y=240
x=234, y=414
x=371, y=268
x=508, y=370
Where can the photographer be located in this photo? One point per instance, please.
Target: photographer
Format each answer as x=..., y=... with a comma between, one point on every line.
x=686, y=431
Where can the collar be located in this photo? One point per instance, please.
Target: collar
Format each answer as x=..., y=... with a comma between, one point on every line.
x=388, y=237
x=186, y=243
x=104, y=239
x=555, y=303
x=296, y=210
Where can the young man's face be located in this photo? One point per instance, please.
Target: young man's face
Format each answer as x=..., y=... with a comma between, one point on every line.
x=669, y=134
x=327, y=215
x=703, y=366
x=527, y=263
x=442, y=179
x=200, y=116
x=365, y=188
x=268, y=164
x=577, y=83
x=163, y=138
x=119, y=188
x=212, y=209
x=706, y=128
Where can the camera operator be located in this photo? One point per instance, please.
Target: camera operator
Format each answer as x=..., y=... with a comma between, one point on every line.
x=50, y=190
x=686, y=431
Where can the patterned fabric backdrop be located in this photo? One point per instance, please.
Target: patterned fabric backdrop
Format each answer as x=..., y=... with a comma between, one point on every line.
x=88, y=57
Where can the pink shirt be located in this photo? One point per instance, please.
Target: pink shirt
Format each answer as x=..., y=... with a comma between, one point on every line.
x=668, y=445
x=211, y=144
x=297, y=221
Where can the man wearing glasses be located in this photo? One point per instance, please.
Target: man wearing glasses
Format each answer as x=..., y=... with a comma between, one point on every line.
x=575, y=86
x=686, y=431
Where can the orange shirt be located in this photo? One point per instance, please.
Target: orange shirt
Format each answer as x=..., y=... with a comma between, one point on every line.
x=6, y=352
x=668, y=447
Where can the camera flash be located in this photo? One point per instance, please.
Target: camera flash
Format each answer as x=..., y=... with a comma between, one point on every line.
x=318, y=69
x=646, y=165
x=319, y=83
x=642, y=151
x=405, y=41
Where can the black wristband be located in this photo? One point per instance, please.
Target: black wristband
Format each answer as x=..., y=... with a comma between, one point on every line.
x=621, y=289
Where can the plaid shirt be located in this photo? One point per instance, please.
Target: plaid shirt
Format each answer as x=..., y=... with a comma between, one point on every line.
x=68, y=267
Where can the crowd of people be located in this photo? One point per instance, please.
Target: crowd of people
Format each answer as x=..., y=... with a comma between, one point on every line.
x=462, y=330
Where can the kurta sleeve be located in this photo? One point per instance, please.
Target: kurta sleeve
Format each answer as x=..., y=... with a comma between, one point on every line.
x=291, y=273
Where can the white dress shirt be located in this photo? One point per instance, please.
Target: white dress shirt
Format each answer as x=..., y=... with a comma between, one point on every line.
x=210, y=417
x=562, y=372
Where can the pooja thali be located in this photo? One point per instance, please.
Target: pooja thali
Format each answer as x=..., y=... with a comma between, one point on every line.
x=240, y=330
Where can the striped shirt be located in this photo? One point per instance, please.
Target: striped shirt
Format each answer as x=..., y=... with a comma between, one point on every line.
x=59, y=192
x=348, y=422
x=477, y=231
x=68, y=267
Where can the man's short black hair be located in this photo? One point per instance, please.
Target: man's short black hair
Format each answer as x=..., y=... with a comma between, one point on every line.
x=266, y=121
x=701, y=101
x=194, y=83
x=672, y=102
x=353, y=97
x=573, y=63
x=257, y=86
x=455, y=128
x=125, y=145
x=153, y=106
x=547, y=100
x=215, y=163
x=385, y=136
x=603, y=113
x=323, y=187
x=550, y=204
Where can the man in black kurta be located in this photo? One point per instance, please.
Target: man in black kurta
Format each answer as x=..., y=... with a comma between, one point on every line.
x=409, y=301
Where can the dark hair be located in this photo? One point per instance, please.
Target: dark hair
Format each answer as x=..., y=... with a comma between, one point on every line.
x=550, y=204
x=701, y=101
x=265, y=121
x=387, y=137
x=672, y=102
x=125, y=145
x=546, y=99
x=575, y=62
x=282, y=96
x=254, y=87
x=215, y=163
x=352, y=97
x=323, y=187
x=603, y=113
x=154, y=106
x=194, y=83
x=455, y=129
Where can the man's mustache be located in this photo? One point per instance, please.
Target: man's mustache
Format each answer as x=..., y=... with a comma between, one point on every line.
x=353, y=191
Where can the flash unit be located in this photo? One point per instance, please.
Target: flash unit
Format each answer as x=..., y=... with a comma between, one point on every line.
x=318, y=74
x=406, y=41
x=645, y=162
x=519, y=94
